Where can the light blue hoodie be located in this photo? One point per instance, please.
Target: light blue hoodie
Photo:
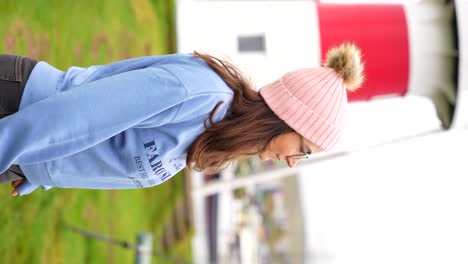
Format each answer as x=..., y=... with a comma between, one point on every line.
x=127, y=124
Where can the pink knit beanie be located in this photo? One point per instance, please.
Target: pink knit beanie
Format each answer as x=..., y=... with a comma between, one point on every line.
x=313, y=101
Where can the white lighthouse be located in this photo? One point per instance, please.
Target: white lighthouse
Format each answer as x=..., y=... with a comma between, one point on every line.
x=374, y=199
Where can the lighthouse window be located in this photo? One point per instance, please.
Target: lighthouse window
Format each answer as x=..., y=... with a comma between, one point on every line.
x=251, y=43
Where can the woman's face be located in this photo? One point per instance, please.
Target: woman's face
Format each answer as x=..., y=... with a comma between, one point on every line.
x=288, y=147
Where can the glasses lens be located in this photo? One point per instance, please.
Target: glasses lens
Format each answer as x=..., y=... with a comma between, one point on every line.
x=305, y=157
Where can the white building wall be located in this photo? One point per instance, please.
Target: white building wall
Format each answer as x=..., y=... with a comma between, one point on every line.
x=461, y=110
x=402, y=203
x=290, y=29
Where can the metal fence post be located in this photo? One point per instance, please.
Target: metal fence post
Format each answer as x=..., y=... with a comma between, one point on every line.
x=144, y=248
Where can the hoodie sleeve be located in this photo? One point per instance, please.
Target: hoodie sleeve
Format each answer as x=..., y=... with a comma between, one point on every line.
x=74, y=120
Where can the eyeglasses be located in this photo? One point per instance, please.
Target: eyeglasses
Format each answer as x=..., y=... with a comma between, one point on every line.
x=305, y=155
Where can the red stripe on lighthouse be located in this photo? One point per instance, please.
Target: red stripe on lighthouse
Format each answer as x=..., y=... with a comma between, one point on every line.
x=380, y=31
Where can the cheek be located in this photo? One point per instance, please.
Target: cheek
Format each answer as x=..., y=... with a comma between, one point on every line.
x=283, y=146
x=269, y=153
x=281, y=149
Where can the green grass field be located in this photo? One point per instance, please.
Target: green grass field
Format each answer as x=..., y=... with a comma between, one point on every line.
x=82, y=33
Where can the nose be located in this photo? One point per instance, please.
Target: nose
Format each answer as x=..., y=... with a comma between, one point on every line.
x=292, y=162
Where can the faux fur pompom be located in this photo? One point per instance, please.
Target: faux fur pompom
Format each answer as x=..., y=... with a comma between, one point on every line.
x=346, y=61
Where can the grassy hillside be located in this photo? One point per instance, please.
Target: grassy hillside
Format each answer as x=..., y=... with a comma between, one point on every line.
x=83, y=33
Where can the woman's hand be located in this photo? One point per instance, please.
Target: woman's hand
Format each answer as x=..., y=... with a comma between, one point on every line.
x=15, y=184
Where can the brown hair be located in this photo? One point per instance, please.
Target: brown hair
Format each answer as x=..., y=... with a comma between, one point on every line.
x=246, y=130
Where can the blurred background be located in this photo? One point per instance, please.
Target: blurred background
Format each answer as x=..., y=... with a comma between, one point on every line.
x=394, y=191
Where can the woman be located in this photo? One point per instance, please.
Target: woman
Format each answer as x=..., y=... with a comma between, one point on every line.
x=136, y=123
